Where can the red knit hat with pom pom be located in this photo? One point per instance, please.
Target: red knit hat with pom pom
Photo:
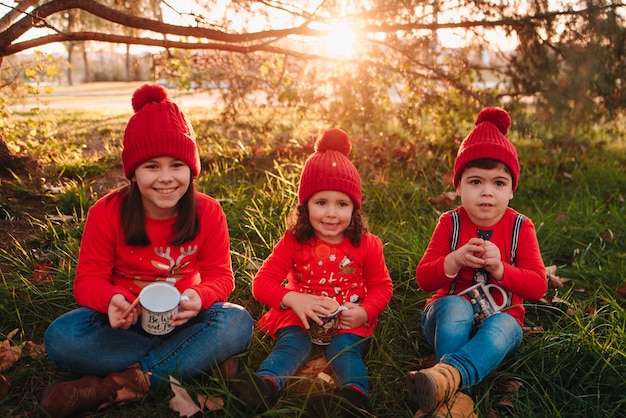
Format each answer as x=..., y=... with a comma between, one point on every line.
x=329, y=168
x=488, y=140
x=158, y=128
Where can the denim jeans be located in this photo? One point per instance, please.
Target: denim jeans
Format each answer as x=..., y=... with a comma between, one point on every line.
x=82, y=341
x=448, y=325
x=293, y=349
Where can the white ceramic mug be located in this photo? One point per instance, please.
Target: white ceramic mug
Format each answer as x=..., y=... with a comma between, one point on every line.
x=159, y=301
x=482, y=301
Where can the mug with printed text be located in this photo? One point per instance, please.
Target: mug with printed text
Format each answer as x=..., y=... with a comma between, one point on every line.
x=159, y=301
x=482, y=300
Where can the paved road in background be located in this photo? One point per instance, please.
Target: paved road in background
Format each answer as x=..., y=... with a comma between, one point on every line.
x=119, y=99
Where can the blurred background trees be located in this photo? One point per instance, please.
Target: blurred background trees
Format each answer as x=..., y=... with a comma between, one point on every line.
x=370, y=66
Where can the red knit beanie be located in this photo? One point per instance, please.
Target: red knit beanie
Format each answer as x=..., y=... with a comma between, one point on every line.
x=329, y=168
x=158, y=128
x=488, y=140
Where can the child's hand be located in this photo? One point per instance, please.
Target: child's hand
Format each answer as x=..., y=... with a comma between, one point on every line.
x=353, y=317
x=493, y=260
x=187, y=309
x=468, y=255
x=306, y=306
x=117, y=305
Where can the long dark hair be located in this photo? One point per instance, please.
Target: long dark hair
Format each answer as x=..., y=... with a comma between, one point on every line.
x=134, y=225
x=300, y=227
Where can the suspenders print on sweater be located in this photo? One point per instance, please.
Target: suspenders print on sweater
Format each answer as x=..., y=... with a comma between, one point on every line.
x=481, y=274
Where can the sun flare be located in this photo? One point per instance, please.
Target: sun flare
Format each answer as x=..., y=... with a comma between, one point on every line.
x=341, y=41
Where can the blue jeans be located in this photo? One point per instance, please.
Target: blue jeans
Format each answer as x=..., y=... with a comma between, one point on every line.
x=448, y=325
x=294, y=348
x=82, y=341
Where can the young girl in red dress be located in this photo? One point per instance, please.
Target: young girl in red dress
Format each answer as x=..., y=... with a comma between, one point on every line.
x=327, y=252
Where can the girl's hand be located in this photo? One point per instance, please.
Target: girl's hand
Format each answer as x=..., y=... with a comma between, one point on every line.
x=306, y=306
x=353, y=317
x=493, y=260
x=187, y=309
x=117, y=305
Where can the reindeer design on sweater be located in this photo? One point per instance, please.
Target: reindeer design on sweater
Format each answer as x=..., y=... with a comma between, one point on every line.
x=173, y=268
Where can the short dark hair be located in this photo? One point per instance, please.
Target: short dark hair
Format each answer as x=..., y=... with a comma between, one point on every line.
x=485, y=163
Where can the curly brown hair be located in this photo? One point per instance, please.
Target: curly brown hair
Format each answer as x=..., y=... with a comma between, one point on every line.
x=299, y=226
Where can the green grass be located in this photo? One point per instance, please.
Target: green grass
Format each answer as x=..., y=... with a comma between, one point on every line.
x=574, y=195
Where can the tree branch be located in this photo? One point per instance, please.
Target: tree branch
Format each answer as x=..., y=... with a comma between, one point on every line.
x=164, y=43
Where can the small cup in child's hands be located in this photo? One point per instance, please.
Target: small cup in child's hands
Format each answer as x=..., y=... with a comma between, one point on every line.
x=323, y=334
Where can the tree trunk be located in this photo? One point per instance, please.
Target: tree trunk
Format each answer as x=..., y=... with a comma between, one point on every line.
x=88, y=77
x=128, y=63
x=70, y=51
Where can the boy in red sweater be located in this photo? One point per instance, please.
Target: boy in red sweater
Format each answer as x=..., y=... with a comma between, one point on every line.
x=158, y=228
x=482, y=241
x=327, y=252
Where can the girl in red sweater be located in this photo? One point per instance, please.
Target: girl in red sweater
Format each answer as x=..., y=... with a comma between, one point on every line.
x=483, y=241
x=157, y=228
x=327, y=252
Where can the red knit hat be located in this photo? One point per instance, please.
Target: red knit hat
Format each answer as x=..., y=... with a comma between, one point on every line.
x=158, y=128
x=329, y=168
x=487, y=140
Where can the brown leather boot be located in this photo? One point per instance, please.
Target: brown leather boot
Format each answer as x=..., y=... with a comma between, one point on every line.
x=345, y=402
x=258, y=393
x=460, y=406
x=90, y=393
x=428, y=388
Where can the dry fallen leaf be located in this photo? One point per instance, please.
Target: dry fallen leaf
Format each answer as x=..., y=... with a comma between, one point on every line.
x=621, y=291
x=511, y=386
x=506, y=402
x=211, y=403
x=426, y=362
x=325, y=377
x=9, y=354
x=314, y=367
x=42, y=272
x=60, y=218
x=445, y=198
x=182, y=402
x=33, y=350
x=554, y=281
x=529, y=330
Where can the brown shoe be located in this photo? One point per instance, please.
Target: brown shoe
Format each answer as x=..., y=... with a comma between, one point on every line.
x=460, y=406
x=228, y=368
x=258, y=393
x=428, y=388
x=133, y=384
x=90, y=393
x=70, y=398
x=345, y=402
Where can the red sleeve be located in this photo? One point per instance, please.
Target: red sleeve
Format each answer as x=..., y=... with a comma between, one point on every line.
x=527, y=278
x=98, y=248
x=429, y=273
x=377, y=280
x=267, y=286
x=215, y=265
